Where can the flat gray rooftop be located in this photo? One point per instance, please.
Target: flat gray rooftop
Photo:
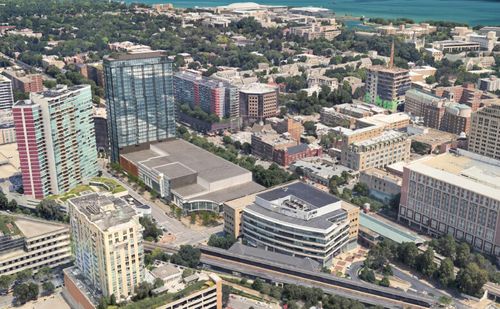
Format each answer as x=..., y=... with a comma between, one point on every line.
x=175, y=170
x=208, y=166
x=165, y=270
x=177, y=158
x=232, y=193
x=261, y=254
x=33, y=228
x=317, y=198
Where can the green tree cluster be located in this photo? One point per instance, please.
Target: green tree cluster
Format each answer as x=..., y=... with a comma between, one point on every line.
x=198, y=113
x=25, y=292
x=474, y=269
x=151, y=231
x=50, y=210
x=5, y=204
x=186, y=256
x=274, y=175
x=156, y=254
x=224, y=242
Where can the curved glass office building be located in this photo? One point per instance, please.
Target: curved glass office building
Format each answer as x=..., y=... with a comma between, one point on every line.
x=297, y=220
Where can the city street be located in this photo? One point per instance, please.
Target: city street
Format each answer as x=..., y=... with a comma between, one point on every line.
x=161, y=213
x=27, y=67
x=417, y=285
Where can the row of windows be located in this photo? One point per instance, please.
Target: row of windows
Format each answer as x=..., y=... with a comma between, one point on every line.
x=432, y=225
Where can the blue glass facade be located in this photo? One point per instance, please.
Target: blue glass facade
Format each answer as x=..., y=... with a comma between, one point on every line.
x=140, y=99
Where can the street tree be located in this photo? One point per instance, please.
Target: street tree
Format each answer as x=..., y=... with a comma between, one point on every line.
x=407, y=253
x=48, y=287
x=445, y=272
x=470, y=280
x=426, y=263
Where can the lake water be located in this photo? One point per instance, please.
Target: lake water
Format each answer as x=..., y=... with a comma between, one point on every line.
x=473, y=12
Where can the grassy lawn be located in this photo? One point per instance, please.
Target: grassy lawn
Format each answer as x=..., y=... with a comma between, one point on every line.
x=74, y=192
x=114, y=186
x=7, y=226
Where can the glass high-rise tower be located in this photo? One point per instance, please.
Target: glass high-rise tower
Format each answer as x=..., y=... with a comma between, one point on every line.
x=56, y=140
x=140, y=99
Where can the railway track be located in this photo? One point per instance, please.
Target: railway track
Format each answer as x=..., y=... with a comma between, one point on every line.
x=219, y=259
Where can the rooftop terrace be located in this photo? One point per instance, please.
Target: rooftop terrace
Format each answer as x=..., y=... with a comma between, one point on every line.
x=386, y=136
x=105, y=211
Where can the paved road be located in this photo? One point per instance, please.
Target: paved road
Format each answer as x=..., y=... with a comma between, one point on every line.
x=415, y=284
x=27, y=67
x=161, y=213
x=353, y=270
x=289, y=279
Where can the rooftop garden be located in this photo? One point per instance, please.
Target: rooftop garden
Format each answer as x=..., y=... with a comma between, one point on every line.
x=105, y=184
x=76, y=191
x=111, y=184
x=165, y=298
x=7, y=226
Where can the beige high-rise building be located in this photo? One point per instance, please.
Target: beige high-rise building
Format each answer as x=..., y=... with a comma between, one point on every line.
x=108, y=248
x=232, y=214
x=484, y=136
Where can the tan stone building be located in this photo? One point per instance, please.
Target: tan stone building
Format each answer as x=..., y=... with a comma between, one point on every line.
x=383, y=185
x=392, y=121
x=108, y=248
x=456, y=194
x=290, y=126
x=387, y=148
x=484, y=136
x=232, y=214
x=353, y=218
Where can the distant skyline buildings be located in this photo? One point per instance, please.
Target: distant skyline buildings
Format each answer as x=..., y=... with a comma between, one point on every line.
x=140, y=99
x=386, y=86
x=56, y=140
x=211, y=95
x=258, y=102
